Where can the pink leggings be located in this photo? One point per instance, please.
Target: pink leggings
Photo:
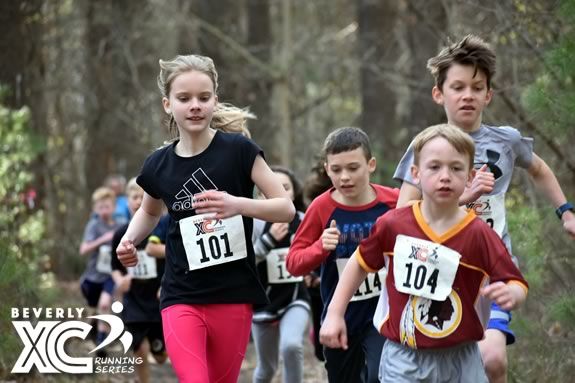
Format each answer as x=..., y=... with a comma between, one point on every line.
x=207, y=343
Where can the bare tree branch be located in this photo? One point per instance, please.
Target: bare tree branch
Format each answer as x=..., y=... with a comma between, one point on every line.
x=238, y=48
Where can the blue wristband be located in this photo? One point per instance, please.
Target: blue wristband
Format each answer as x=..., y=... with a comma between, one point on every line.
x=563, y=208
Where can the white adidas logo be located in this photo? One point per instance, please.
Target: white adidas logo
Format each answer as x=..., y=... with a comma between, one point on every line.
x=197, y=183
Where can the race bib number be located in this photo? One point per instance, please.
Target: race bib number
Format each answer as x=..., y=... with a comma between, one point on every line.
x=277, y=271
x=371, y=286
x=146, y=267
x=104, y=262
x=424, y=268
x=491, y=209
x=209, y=242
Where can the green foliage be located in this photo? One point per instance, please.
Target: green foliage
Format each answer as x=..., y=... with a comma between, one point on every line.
x=551, y=98
x=540, y=324
x=524, y=224
x=22, y=282
x=563, y=309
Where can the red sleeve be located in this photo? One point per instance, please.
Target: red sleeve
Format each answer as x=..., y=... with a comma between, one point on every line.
x=387, y=195
x=370, y=251
x=500, y=264
x=306, y=252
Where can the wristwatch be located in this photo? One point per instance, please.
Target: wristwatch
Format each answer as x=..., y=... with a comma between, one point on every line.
x=563, y=208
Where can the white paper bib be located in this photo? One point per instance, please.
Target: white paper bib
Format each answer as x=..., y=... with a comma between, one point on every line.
x=209, y=242
x=104, y=262
x=276, y=265
x=424, y=268
x=491, y=209
x=371, y=286
x=146, y=267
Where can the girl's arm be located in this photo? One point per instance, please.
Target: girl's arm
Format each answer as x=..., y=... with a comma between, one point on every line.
x=277, y=207
x=144, y=221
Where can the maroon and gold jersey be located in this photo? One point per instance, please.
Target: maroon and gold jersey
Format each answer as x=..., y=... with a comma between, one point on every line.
x=420, y=322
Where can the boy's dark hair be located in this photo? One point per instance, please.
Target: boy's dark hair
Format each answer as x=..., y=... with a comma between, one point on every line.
x=297, y=186
x=471, y=50
x=345, y=140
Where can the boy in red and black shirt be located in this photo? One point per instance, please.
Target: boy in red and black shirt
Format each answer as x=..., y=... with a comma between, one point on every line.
x=334, y=224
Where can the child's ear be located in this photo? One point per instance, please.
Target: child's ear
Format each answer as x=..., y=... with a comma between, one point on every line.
x=437, y=95
x=166, y=105
x=371, y=165
x=415, y=174
x=488, y=96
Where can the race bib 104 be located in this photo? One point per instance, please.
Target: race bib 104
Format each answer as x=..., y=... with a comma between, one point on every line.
x=423, y=268
x=276, y=265
x=209, y=242
x=371, y=286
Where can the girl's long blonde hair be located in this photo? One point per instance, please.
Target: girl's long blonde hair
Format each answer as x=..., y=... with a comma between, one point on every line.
x=226, y=117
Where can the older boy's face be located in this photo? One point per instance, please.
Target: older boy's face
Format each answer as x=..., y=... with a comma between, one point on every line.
x=463, y=96
x=349, y=173
x=442, y=172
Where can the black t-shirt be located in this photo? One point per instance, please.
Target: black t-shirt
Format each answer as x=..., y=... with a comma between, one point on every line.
x=226, y=165
x=141, y=301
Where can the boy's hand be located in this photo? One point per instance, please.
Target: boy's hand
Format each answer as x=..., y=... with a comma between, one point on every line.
x=127, y=253
x=333, y=332
x=482, y=183
x=502, y=294
x=279, y=230
x=330, y=237
x=124, y=284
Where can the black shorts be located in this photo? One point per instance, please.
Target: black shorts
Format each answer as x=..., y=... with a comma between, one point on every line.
x=150, y=330
x=92, y=290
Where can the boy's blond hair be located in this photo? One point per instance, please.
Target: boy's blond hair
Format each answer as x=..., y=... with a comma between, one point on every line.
x=103, y=193
x=133, y=186
x=471, y=50
x=461, y=141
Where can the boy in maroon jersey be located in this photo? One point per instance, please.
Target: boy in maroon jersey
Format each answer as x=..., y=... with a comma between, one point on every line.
x=444, y=266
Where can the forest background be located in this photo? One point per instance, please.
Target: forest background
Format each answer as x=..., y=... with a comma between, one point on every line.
x=79, y=101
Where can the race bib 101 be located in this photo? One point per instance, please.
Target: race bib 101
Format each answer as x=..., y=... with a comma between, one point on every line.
x=276, y=265
x=423, y=268
x=209, y=242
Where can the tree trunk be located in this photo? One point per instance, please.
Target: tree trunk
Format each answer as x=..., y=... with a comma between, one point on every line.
x=376, y=20
x=259, y=87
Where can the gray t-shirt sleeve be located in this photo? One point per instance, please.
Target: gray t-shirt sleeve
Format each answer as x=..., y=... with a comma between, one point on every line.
x=403, y=170
x=91, y=231
x=522, y=147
